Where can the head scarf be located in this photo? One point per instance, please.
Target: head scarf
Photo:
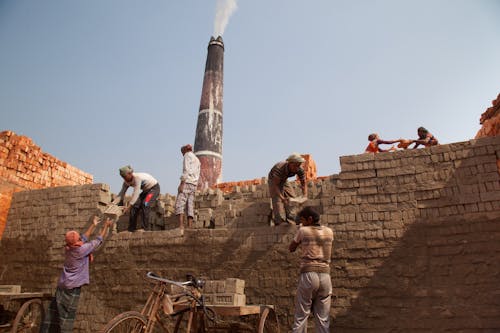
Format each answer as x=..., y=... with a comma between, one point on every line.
x=187, y=148
x=73, y=240
x=126, y=169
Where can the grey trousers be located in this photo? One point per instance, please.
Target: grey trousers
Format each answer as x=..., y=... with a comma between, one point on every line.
x=313, y=294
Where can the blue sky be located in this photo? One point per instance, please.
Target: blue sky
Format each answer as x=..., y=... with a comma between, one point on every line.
x=103, y=83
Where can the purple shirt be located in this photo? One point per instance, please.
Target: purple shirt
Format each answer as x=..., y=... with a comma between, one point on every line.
x=76, y=264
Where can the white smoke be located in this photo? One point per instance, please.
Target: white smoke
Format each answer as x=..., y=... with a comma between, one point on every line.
x=223, y=11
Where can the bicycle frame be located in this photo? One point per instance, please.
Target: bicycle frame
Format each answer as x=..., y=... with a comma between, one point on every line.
x=154, y=304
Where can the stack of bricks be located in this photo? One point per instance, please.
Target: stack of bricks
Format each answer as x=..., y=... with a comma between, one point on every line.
x=230, y=292
x=24, y=166
x=490, y=120
x=416, y=248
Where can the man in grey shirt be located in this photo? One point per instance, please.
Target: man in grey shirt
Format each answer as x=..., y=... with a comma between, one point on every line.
x=141, y=201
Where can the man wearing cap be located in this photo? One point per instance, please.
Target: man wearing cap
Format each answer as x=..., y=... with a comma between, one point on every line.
x=141, y=201
x=187, y=187
x=281, y=191
x=61, y=313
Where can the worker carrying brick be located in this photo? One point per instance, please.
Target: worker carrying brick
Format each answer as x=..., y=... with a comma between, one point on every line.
x=281, y=191
x=425, y=138
x=61, y=313
x=314, y=289
x=375, y=142
x=141, y=202
x=187, y=187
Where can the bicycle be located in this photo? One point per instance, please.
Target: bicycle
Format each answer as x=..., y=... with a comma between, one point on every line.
x=168, y=302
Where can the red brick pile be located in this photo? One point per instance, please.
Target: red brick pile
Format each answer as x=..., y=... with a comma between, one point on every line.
x=490, y=120
x=24, y=166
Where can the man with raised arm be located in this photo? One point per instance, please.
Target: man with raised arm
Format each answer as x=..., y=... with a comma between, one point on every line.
x=61, y=313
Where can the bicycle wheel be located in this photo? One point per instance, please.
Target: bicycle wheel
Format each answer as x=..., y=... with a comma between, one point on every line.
x=127, y=322
x=29, y=317
x=268, y=322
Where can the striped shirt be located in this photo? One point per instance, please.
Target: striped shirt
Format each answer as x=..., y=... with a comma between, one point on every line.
x=316, y=244
x=280, y=171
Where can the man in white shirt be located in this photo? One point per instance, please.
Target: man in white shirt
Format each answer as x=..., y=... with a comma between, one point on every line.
x=187, y=187
x=141, y=201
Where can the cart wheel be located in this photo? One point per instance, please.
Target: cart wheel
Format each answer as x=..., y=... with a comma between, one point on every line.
x=29, y=318
x=268, y=321
x=127, y=322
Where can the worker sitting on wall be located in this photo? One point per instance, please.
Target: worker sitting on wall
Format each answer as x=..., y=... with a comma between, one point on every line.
x=141, y=201
x=425, y=138
x=281, y=191
x=375, y=142
x=187, y=187
x=314, y=290
x=61, y=313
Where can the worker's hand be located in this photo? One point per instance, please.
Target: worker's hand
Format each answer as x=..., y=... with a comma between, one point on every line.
x=127, y=209
x=96, y=220
x=108, y=223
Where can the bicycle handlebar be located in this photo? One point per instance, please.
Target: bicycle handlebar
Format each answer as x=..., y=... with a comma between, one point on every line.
x=193, y=282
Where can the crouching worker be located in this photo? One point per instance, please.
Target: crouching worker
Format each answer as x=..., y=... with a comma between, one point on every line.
x=61, y=313
x=425, y=138
x=375, y=142
x=315, y=285
x=141, y=201
x=281, y=191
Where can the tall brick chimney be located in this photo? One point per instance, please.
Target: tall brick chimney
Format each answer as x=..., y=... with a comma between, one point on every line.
x=208, y=140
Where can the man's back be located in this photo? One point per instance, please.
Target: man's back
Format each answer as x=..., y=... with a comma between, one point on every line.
x=316, y=246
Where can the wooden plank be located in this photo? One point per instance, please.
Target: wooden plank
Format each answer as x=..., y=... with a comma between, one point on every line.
x=229, y=310
x=10, y=288
x=12, y=296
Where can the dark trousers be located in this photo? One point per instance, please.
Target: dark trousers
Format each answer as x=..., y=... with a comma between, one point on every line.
x=143, y=206
x=61, y=313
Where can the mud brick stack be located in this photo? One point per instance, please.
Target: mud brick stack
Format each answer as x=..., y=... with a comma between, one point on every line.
x=23, y=165
x=230, y=291
x=416, y=248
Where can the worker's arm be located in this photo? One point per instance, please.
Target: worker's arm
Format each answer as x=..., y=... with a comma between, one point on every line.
x=295, y=242
x=390, y=142
x=293, y=246
x=92, y=227
x=121, y=195
x=137, y=191
x=107, y=224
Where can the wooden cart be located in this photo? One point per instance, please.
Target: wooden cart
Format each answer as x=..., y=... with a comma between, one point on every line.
x=267, y=319
x=29, y=315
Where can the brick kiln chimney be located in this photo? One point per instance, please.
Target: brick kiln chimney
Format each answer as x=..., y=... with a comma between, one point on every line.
x=208, y=140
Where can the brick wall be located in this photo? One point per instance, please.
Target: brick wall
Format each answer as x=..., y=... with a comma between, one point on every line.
x=23, y=165
x=417, y=243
